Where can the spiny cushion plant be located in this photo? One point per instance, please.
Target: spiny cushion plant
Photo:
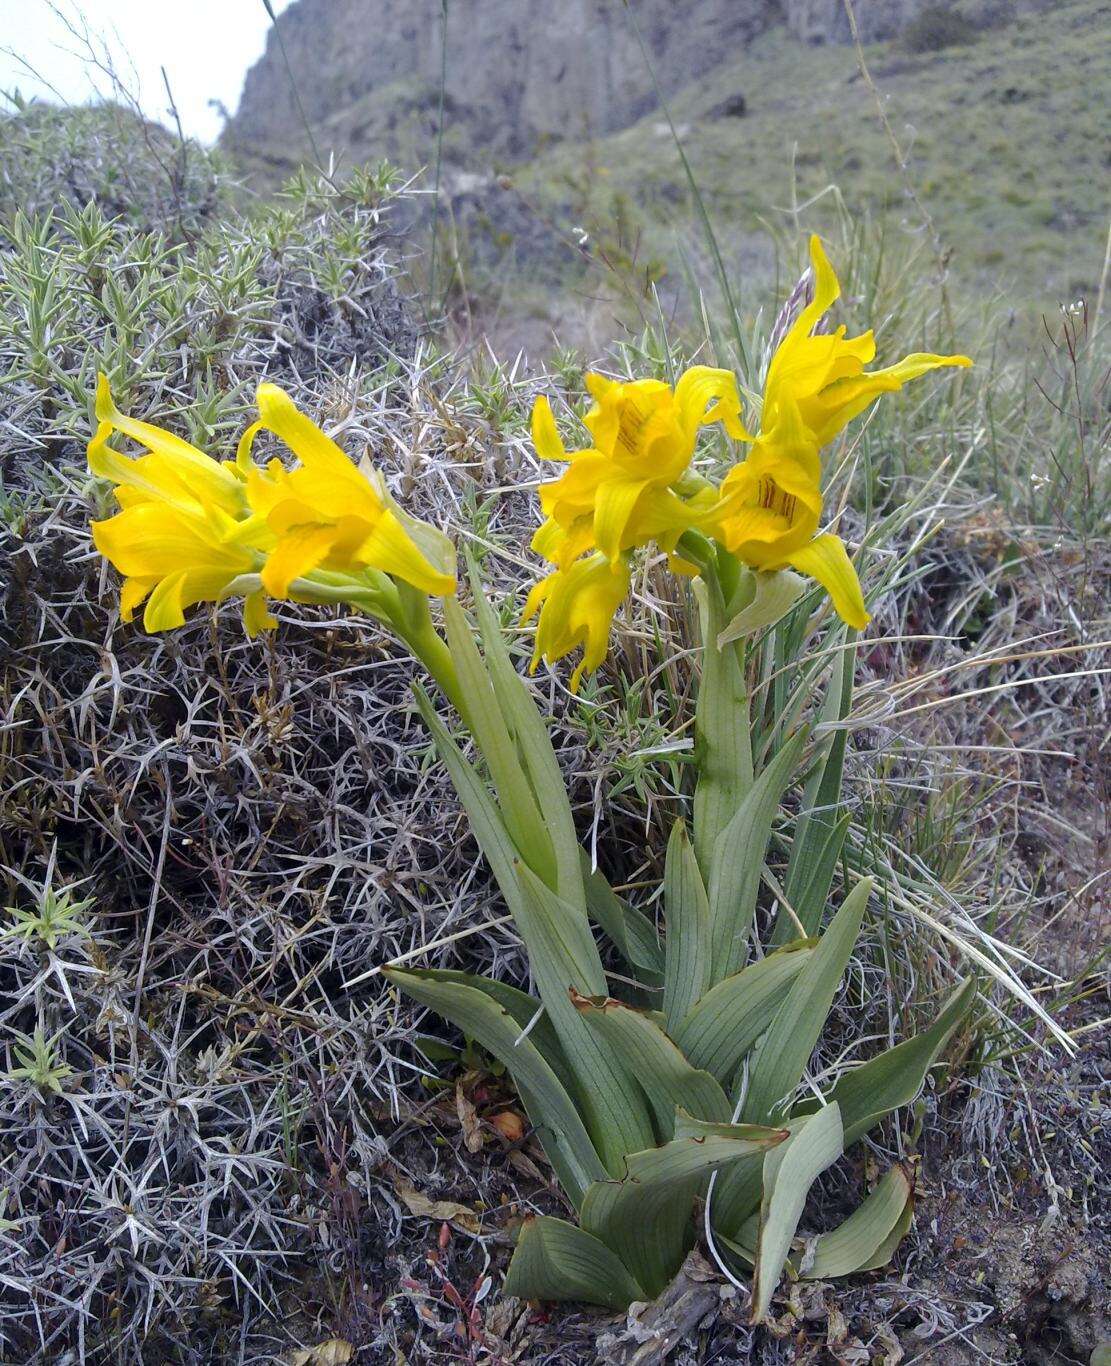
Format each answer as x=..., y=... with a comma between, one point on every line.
x=700, y=1067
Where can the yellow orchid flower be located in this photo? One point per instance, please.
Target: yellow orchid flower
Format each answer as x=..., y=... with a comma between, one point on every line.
x=824, y=376
x=576, y=607
x=771, y=503
x=770, y=507
x=173, y=538
x=329, y=513
x=615, y=493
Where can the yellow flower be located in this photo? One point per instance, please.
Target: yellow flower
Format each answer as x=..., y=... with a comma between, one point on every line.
x=615, y=493
x=329, y=513
x=824, y=376
x=771, y=503
x=576, y=607
x=172, y=538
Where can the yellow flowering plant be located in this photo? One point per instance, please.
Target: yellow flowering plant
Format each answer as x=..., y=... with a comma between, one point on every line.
x=686, y=1071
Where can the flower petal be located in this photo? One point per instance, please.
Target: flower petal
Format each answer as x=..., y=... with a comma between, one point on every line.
x=614, y=508
x=256, y=615
x=299, y=551
x=545, y=434
x=826, y=560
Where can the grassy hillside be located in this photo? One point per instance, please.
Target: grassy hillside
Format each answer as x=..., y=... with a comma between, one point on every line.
x=1004, y=138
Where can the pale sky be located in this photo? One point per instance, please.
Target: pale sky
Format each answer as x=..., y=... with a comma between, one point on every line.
x=206, y=47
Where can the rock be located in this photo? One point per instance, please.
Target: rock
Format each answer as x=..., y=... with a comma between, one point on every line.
x=732, y=107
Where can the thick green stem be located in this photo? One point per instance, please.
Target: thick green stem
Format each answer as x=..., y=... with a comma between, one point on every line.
x=429, y=648
x=723, y=744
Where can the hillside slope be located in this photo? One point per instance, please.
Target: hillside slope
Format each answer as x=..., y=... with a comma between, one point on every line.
x=1005, y=142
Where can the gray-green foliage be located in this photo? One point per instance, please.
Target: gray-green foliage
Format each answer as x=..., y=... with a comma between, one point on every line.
x=134, y=170
x=647, y=1099
x=301, y=287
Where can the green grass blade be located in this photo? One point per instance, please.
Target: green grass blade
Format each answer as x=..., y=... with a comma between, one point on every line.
x=688, y=946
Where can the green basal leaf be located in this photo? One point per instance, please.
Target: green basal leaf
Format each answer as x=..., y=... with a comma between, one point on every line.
x=728, y=1020
x=782, y=1054
x=687, y=917
x=722, y=743
x=895, y=1077
x=865, y=1235
x=557, y=1122
x=810, y=894
x=739, y=861
x=486, y=823
x=486, y=721
x=789, y=1171
x=645, y=1217
x=525, y=1010
x=821, y=827
x=631, y=932
x=534, y=746
x=564, y=958
x=555, y=1260
x=777, y=591
x=666, y=1077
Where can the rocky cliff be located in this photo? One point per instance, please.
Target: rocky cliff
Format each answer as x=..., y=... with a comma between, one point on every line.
x=520, y=73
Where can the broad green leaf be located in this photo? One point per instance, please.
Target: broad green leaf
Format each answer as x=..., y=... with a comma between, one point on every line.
x=736, y=1196
x=722, y=743
x=557, y=1122
x=562, y=955
x=646, y=1216
x=690, y=1126
x=486, y=721
x=739, y=861
x=729, y=1019
x=854, y=1245
x=526, y=1010
x=666, y=1077
x=895, y=1077
x=782, y=1054
x=687, y=918
x=632, y=933
x=890, y=1245
x=534, y=744
x=564, y=958
x=555, y=1260
x=820, y=829
x=486, y=823
x=789, y=1172
x=809, y=897
x=865, y=1095
x=777, y=591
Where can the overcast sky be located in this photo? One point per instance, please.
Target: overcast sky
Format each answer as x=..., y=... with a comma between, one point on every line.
x=206, y=47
